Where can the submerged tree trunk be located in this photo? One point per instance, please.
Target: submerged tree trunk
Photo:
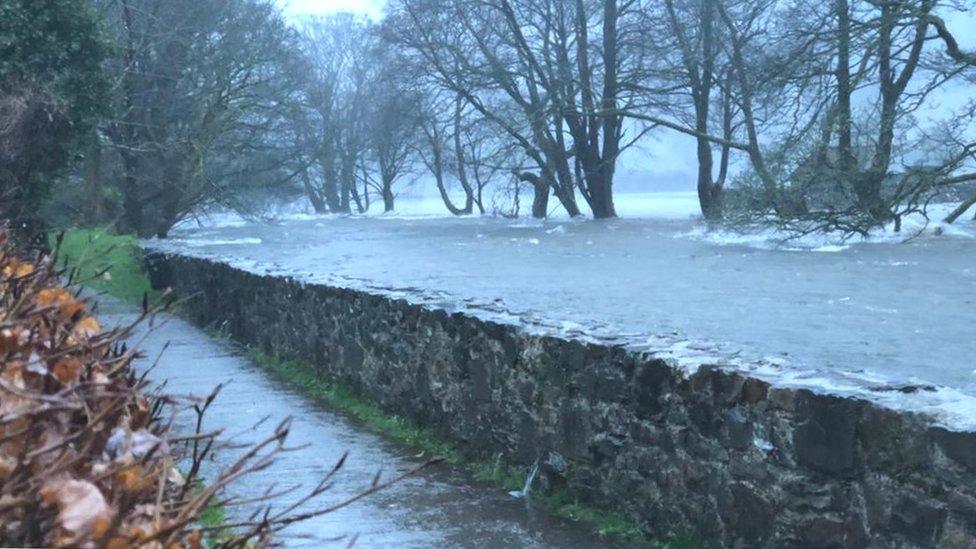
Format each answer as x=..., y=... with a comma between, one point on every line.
x=868, y=185
x=540, y=199
x=601, y=190
x=446, y=198
x=698, y=61
x=561, y=184
x=462, y=168
x=754, y=150
x=387, y=195
x=318, y=204
x=436, y=166
x=601, y=195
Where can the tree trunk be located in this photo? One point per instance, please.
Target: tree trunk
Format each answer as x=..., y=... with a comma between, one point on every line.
x=566, y=199
x=602, y=191
x=354, y=191
x=479, y=200
x=845, y=152
x=131, y=199
x=313, y=195
x=601, y=195
x=387, y=196
x=168, y=216
x=347, y=184
x=171, y=197
x=540, y=199
x=756, y=157
x=562, y=186
x=892, y=86
x=93, y=184
x=700, y=68
x=436, y=167
x=462, y=168
x=968, y=203
x=330, y=186
x=451, y=207
x=710, y=202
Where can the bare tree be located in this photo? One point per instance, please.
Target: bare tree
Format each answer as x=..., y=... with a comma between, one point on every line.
x=439, y=120
x=554, y=76
x=963, y=59
x=842, y=105
x=337, y=50
x=699, y=73
x=461, y=150
x=194, y=78
x=391, y=122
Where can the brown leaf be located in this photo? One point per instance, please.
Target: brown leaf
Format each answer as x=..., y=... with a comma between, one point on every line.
x=82, y=509
x=7, y=465
x=87, y=327
x=67, y=370
x=134, y=480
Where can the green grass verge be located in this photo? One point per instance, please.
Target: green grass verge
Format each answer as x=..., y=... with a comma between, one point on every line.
x=214, y=515
x=305, y=378
x=104, y=261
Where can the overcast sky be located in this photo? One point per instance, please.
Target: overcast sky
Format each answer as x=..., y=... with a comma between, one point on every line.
x=297, y=8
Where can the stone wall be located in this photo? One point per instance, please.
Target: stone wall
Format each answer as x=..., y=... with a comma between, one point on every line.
x=730, y=457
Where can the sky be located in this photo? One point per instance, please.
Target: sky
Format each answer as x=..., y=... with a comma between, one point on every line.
x=298, y=8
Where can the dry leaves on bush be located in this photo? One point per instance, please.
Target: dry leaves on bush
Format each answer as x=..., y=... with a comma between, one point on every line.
x=86, y=458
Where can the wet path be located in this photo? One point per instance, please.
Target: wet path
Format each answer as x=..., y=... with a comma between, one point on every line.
x=439, y=508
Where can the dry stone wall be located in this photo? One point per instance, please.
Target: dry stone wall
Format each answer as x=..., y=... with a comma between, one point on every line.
x=737, y=461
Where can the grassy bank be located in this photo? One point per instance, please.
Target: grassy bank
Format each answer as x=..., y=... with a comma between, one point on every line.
x=305, y=378
x=105, y=261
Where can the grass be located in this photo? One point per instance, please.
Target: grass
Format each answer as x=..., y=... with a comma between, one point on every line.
x=105, y=261
x=213, y=515
x=305, y=378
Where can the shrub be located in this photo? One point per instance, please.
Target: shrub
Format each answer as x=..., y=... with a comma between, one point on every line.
x=87, y=456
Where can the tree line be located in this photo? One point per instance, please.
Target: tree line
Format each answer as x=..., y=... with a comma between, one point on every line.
x=815, y=116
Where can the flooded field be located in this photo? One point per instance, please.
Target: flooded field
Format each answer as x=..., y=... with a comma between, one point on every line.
x=871, y=315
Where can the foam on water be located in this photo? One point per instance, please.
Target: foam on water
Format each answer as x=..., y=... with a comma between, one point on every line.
x=888, y=322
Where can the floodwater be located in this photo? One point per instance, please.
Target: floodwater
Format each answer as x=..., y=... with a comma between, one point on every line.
x=439, y=507
x=899, y=312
